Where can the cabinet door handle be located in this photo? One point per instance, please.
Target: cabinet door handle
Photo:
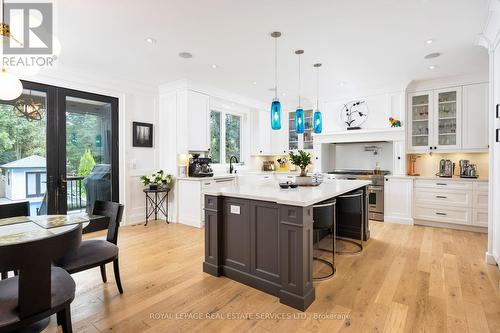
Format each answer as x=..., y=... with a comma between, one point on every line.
x=441, y=184
x=441, y=197
x=442, y=214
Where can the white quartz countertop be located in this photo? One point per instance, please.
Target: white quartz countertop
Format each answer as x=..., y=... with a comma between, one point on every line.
x=229, y=175
x=455, y=178
x=302, y=196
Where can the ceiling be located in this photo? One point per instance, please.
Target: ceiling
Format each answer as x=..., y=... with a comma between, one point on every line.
x=368, y=44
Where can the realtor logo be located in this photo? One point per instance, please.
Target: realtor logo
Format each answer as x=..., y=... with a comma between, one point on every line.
x=30, y=28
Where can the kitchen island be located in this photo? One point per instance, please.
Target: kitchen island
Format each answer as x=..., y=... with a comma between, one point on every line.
x=262, y=236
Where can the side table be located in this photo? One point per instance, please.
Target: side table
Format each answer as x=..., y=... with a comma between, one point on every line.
x=156, y=202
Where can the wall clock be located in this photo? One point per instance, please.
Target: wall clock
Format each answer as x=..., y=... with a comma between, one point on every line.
x=353, y=114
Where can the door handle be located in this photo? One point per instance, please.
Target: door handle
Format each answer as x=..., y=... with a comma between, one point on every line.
x=442, y=214
x=441, y=197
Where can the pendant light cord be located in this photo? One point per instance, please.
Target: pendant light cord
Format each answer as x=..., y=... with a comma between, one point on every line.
x=276, y=68
x=299, y=82
x=317, y=89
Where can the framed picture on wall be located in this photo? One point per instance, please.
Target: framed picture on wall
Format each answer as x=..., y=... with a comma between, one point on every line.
x=142, y=134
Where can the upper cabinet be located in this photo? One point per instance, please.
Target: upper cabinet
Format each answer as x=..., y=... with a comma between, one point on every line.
x=447, y=119
x=475, y=116
x=266, y=141
x=198, y=108
x=451, y=119
x=300, y=141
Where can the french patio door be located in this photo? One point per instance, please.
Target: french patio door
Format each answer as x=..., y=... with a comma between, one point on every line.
x=58, y=149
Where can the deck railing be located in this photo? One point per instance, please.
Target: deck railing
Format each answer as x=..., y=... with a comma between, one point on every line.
x=77, y=197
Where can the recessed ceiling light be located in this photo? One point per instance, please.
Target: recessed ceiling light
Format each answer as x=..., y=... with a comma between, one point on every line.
x=214, y=66
x=432, y=55
x=254, y=82
x=433, y=67
x=185, y=55
x=429, y=41
x=283, y=94
x=150, y=40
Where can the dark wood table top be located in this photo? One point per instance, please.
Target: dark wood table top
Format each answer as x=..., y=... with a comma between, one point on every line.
x=22, y=229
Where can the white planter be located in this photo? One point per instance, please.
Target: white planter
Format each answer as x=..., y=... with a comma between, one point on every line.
x=307, y=180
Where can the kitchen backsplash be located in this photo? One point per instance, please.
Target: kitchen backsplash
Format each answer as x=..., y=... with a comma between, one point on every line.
x=428, y=164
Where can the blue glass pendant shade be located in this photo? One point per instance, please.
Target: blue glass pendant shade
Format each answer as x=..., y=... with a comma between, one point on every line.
x=276, y=115
x=299, y=120
x=317, y=122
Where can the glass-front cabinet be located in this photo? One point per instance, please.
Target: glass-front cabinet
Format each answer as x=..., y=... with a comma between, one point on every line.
x=420, y=108
x=435, y=120
x=447, y=118
x=300, y=141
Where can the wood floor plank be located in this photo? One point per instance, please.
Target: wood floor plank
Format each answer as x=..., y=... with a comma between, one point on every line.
x=408, y=279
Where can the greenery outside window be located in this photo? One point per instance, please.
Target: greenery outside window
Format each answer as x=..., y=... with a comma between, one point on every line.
x=225, y=136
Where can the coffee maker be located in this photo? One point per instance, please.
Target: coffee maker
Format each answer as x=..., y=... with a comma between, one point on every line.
x=200, y=166
x=467, y=170
x=446, y=168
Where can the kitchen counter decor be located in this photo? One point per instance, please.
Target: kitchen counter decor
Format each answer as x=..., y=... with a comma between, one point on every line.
x=302, y=160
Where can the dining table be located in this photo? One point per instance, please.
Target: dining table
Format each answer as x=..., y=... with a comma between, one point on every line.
x=21, y=229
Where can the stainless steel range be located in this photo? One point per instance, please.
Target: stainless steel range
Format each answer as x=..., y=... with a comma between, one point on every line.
x=375, y=190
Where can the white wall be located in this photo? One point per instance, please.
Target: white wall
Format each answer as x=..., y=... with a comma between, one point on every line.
x=137, y=102
x=354, y=156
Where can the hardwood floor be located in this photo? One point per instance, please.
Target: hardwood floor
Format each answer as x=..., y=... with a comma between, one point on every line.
x=408, y=279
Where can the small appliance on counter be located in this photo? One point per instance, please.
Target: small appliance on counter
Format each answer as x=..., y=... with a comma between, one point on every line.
x=200, y=166
x=446, y=168
x=468, y=170
x=268, y=166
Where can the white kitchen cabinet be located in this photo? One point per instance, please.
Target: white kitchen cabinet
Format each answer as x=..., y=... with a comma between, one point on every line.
x=399, y=163
x=450, y=119
x=190, y=201
x=420, y=108
x=198, y=109
x=279, y=138
x=447, y=118
x=261, y=133
x=475, y=116
x=451, y=202
x=398, y=200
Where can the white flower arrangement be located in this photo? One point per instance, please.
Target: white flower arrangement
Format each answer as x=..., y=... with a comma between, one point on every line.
x=159, y=178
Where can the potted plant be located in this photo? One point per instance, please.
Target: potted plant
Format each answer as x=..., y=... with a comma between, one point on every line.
x=158, y=180
x=302, y=160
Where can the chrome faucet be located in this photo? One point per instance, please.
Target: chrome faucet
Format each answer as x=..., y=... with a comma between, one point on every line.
x=231, y=168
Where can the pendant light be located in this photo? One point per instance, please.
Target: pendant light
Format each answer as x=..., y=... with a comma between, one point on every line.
x=317, y=118
x=276, y=105
x=10, y=86
x=299, y=113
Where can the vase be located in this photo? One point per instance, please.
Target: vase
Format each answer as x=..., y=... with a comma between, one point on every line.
x=153, y=187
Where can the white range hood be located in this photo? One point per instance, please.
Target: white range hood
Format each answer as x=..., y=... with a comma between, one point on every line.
x=362, y=135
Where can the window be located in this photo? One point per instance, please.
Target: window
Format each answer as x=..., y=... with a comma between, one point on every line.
x=35, y=184
x=225, y=136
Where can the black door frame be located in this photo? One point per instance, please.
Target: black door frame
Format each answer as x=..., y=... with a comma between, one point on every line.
x=56, y=137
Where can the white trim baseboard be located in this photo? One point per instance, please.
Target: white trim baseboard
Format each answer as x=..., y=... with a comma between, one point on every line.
x=452, y=226
x=490, y=259
x=398, y=220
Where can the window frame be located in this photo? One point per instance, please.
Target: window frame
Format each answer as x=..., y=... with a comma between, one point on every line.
x=38, y=183
x=222, y=141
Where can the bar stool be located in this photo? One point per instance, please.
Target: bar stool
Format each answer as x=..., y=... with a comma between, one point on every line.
x=351, y=208
x=324, y=220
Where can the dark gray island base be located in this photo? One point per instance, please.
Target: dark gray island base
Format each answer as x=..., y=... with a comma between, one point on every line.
x=263, y=244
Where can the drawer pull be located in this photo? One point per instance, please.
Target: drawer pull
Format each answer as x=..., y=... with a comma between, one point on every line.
x=441, y=197
x=441, y=184
x=442, y=214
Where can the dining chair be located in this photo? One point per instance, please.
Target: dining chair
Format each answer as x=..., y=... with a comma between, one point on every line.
x=41, y=290
x=12, y=210
x=15, y=209
x=98, y=252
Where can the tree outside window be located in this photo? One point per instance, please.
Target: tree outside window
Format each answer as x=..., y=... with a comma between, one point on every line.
x=225, y=136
